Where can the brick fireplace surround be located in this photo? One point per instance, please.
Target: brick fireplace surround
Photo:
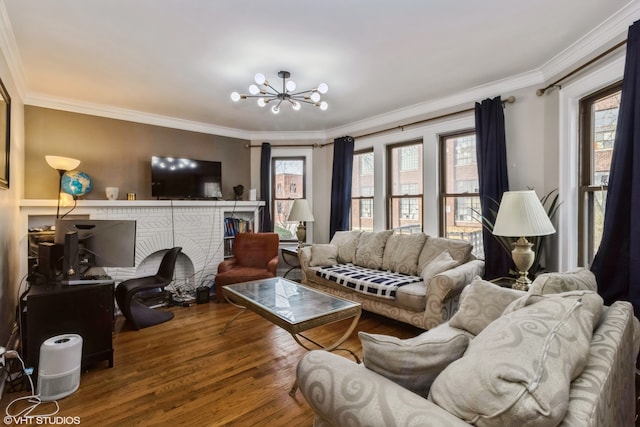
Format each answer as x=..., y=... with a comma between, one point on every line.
x=196, y=226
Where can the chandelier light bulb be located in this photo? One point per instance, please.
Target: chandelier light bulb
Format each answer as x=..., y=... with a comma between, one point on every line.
x=260, y=79
x=287, y=91
x=324, y=105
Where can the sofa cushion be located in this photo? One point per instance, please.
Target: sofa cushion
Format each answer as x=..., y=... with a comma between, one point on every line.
x=415, y=362
x=402, y=251
x=518, y=370
x=323, y=255
x=379, y=283
x=555, y=283
x=347, y=243
x=442, y=262
x=481, y=303
x=434, y=246
x=370, y=249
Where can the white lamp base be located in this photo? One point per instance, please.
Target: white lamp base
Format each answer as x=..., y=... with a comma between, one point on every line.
x=523, y=258
x=301, y=233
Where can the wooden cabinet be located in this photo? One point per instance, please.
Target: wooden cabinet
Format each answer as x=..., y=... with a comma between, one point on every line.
x=52, y=309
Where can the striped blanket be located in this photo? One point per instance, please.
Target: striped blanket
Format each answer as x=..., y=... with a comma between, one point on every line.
x=383, y=284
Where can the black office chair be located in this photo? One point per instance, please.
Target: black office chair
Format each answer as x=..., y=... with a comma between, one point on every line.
x=136, y=312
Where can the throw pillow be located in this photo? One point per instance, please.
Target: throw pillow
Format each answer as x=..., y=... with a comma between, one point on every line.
x=371, y=249
x=481, y=303
x=415, y=362
x=555, y=283
x=459, y=250
x=323, y=255
x=442, y=262
x=401, y=253
x=519, y=369
x=347, y=243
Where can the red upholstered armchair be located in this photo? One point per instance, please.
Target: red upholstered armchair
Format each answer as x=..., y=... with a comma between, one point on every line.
x=255, y=256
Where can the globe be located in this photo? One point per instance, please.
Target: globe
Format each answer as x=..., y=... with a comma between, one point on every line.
x=76, y=183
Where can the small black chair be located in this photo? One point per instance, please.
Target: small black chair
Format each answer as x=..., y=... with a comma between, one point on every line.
x=136, y=312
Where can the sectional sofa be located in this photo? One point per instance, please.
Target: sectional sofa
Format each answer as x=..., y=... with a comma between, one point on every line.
x=412, y=278
x=555, y=356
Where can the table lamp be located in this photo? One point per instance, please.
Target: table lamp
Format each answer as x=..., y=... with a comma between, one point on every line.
x=301, y=212
x=521, y=214
x=62, y=165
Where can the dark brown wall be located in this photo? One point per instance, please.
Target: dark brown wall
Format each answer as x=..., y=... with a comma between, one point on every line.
x=117, y=153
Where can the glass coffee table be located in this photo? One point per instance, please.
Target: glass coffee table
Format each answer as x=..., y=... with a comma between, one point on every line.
x=295, y=308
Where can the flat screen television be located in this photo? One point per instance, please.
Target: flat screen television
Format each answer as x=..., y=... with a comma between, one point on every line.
x=101, y=242
x=180, y=178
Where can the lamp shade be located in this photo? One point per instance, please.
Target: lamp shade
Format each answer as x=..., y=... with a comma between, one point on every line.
x=62, y=163
x=521, y=214
x=300, y=211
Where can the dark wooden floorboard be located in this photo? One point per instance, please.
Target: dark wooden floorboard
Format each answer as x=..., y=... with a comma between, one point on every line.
x=183, y=372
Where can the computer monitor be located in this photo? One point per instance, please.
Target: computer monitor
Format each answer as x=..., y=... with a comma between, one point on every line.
x=101, y=242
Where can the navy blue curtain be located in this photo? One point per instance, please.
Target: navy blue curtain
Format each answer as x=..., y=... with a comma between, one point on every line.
x=491, y=152
x=617, y=263
x=341, y=184
x=266, y=225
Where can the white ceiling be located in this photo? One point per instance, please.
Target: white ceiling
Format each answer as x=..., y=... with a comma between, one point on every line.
x=181, y=59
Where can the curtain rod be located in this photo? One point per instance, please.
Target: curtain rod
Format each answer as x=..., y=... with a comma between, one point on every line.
x=541, y=92
x=509, y=100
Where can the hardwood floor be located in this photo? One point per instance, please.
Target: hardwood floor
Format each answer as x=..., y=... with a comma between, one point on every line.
x=183, y=372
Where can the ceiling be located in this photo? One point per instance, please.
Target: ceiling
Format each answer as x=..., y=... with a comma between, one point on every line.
x=181, y=59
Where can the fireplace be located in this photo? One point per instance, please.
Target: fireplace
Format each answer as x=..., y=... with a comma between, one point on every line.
x=196, y=226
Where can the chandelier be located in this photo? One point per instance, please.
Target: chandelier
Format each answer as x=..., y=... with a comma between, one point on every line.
x=266, y=93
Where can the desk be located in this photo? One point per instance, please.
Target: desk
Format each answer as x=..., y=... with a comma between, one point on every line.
x=53, y=309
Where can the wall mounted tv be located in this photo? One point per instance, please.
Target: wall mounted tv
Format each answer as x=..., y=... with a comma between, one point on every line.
x=180, y=178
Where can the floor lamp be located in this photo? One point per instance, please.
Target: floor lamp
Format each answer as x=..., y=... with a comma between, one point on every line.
x=62, y=165
x=521, y=214
x=301, y=212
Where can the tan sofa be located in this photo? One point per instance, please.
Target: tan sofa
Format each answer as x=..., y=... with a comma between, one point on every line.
x=351, y=264
x=537, y=359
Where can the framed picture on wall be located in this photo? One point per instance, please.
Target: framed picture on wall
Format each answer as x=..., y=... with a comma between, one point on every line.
x=5, y=126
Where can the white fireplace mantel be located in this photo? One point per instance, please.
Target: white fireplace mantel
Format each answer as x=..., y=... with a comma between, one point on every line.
x=197, y=226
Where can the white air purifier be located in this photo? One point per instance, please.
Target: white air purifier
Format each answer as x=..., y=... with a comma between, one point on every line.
x=59, y=366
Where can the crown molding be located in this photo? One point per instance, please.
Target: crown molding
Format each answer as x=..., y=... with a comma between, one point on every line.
x=74, y=106
x=9, y=50
x=405, y=116
x=609, y=32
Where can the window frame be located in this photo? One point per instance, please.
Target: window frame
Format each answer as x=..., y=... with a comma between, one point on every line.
x=360, y=199
x=586, y=190
x=444, y=195
x=390, y=198
x=275, y=199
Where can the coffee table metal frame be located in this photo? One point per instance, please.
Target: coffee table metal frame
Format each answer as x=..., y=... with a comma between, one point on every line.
x=246, y=296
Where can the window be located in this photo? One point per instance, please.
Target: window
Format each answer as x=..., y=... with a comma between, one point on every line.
x=405, y=187
x=288, y=178
x=599, y=118
x=362, y=189
x=459, y=190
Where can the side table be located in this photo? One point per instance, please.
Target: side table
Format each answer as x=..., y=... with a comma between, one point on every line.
x=290, y=257
x=504, y=282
